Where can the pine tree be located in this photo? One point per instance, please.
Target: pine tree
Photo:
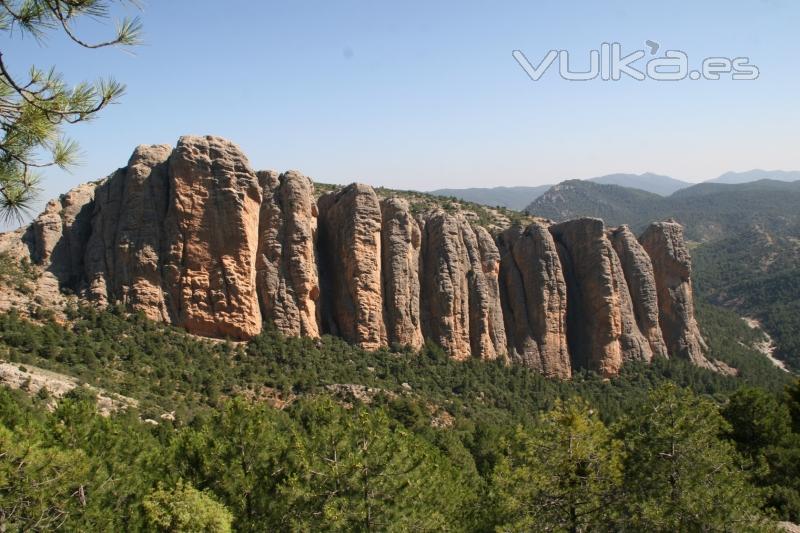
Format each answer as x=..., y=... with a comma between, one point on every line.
x=564, y=475
x=184, y=509
x=33, y=107
x=679, y=474
x=353, y=471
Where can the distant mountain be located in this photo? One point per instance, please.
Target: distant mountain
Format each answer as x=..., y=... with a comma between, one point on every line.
x=613, y=203
x=510, y=197
x=755, y=175
x=655, y=183
x=762, y=185
x=747, y=251
x=519, y=197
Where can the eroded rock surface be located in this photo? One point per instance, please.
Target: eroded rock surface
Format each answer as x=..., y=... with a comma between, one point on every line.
x=194, y=237
x=534, y=297
x=350, y=248
x=460, y=294
x=287, y=277
x=211, y=234
x=400, y=245
x=601, y=326
x=60, y=233
x=641, y=282
x=672, y=268
x=124, y=253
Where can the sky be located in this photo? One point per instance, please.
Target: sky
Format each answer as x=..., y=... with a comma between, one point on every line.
x=425, y=95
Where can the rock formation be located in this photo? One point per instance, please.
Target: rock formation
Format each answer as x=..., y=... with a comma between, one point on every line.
x=600, y=323
x=125, y=250
x=487, y=330
x=534, y=297
x=672, y=268
x=211, y=239
x=286, y=266
x=638, y=269
x=460, y=293
x=350, y=249
x=60, y=234
x=194, y=237
x=400, y=244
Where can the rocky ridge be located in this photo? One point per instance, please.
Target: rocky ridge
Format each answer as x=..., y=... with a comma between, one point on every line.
x=193, y=236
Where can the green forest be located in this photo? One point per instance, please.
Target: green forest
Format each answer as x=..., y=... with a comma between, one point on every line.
x=298, y=434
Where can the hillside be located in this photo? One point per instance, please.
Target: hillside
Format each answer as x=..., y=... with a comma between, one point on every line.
x=259, y=427
x=655, y=183
x=747, y=240
x=510, y=197
x=756, y=175
x=284, y=355
x=518, y=198
x=614, y=204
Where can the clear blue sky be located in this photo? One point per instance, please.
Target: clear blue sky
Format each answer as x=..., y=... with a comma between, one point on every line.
x=424, y=94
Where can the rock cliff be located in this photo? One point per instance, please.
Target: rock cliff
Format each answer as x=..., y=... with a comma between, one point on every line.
x=401, y=240
x=534, y=298
x=601, y=327
x=460, y=298
x=193, y=236
x=350, y=247
x=638, y=270
x=287, y=278
x=672, y=269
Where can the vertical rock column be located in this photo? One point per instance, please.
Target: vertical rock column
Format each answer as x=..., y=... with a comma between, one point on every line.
x=286, y=267
x=400, y=245
x=641, y=282
x=350, y=249
x=602, y=330
x=534, y=297
x=61, y=232
x=211, y=231
x=125, y=250
x=460, y=296
x=487, y=329
x=672, y=268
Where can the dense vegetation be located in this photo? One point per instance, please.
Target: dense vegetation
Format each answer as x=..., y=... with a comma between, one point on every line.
x=431, y=444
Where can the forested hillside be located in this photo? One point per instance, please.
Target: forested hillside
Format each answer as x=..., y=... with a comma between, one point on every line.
x=298, y=433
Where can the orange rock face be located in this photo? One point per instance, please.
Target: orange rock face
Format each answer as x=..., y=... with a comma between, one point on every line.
x=600, y=322
x=460, y=293
x=641, y=282
x=211, y=234
x=400, y=246
x=350, y=250
x=672, y=268
x=194, y=237
x=534, y=296
x=286, y=267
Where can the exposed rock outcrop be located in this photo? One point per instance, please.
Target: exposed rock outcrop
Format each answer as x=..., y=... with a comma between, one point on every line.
x=350, y=249
x=286, y=267
x=672, y=268
x=601, y=326
x=211, y=235
x=460, y=294
x=400, y=245
x=534, y=297
x=125, y=250
x=60, y=234
x=487, y=329
x=641, y=282
x=194, y=237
